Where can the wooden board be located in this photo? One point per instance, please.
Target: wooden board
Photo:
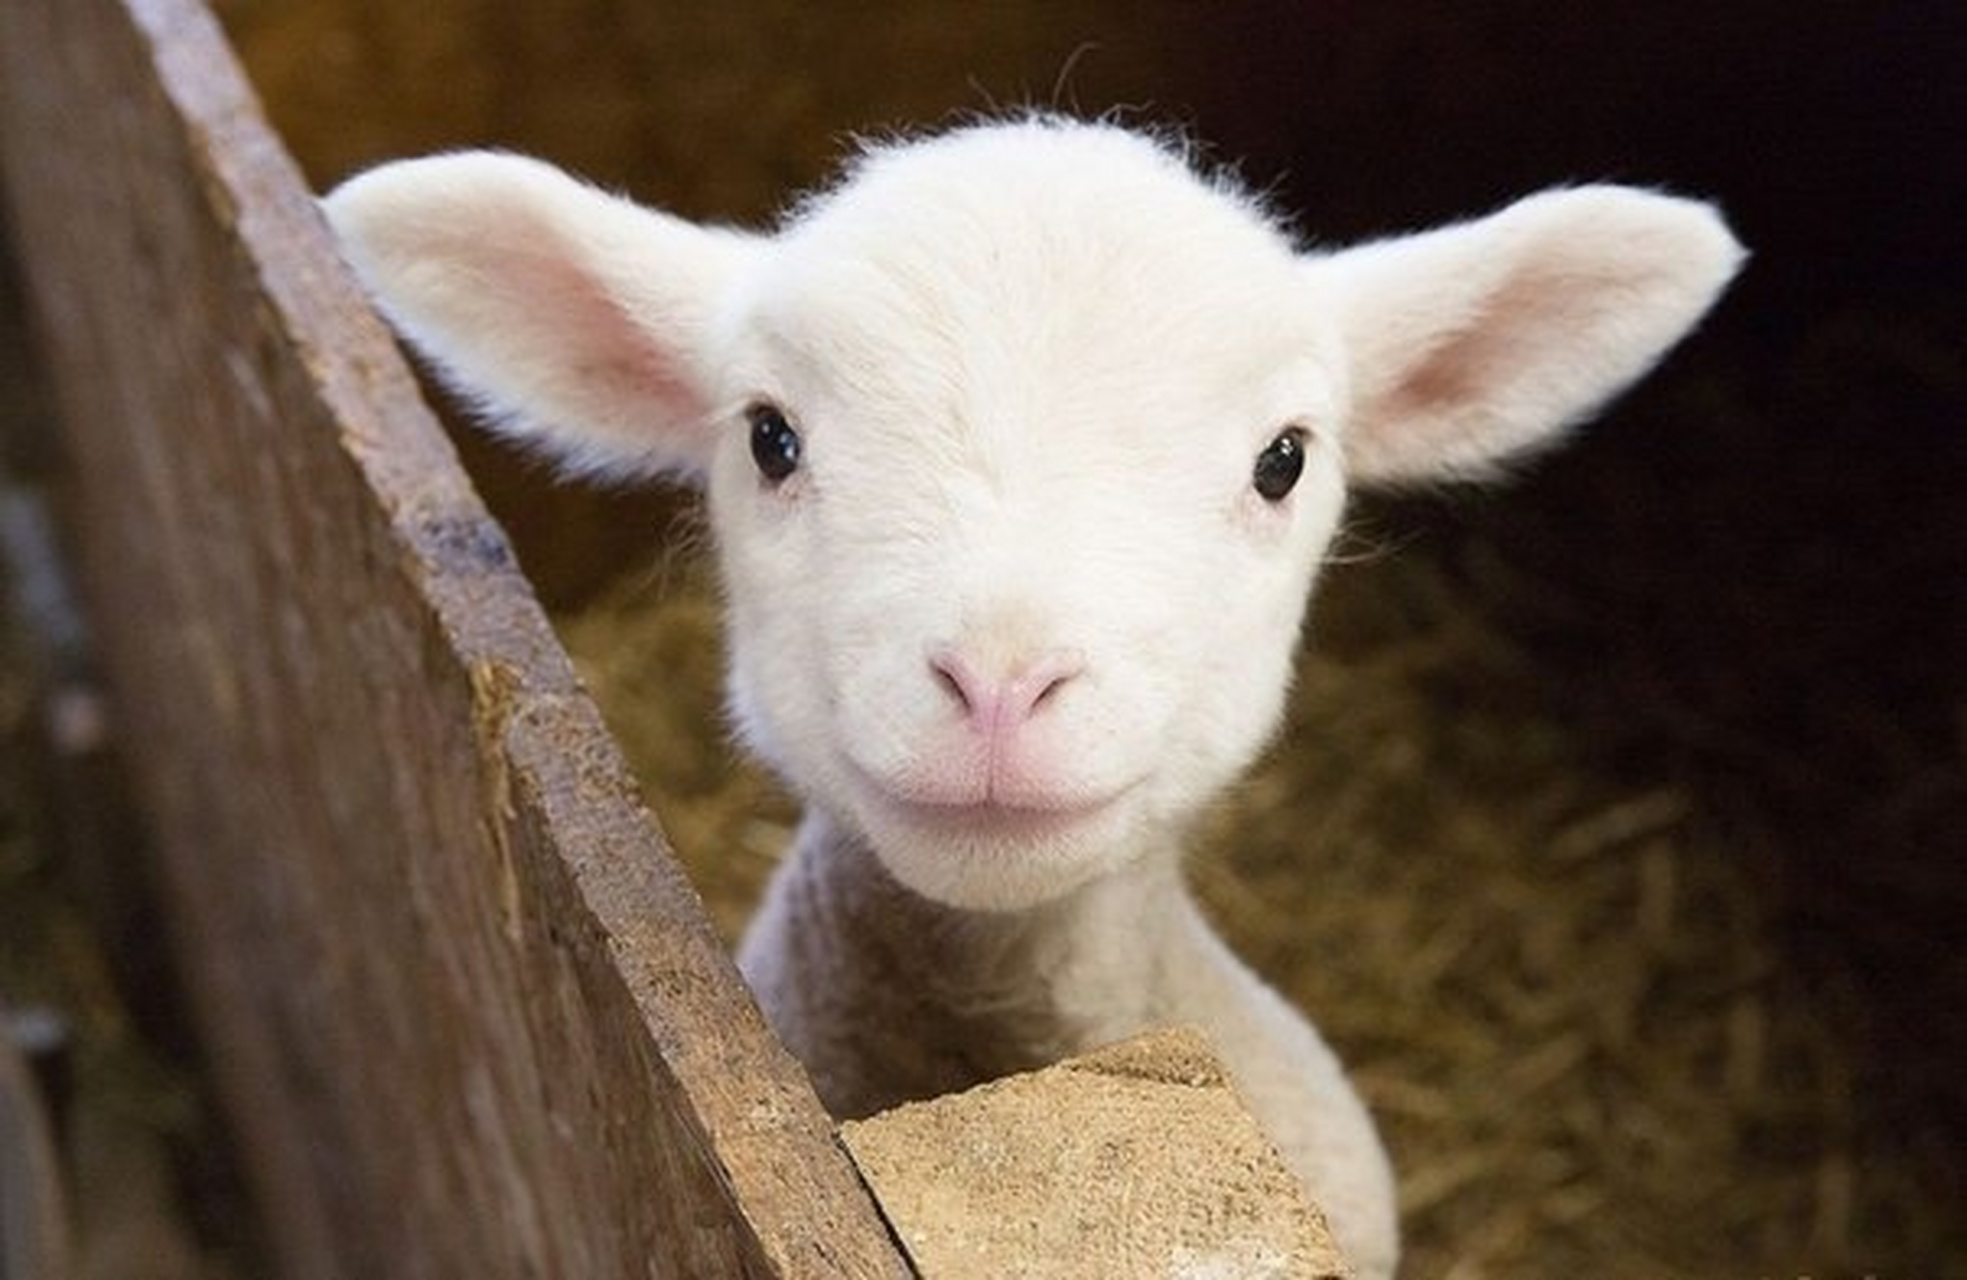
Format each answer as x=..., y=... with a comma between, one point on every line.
x=1138, y=1159
x=467, y=1017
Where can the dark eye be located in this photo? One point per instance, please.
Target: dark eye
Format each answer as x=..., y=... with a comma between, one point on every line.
x=775, y=446
x=1279, y=466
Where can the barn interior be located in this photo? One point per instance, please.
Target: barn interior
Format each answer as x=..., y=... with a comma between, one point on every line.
x=1615, y=835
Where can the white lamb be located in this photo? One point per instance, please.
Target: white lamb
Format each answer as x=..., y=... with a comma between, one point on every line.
x=1023, y=446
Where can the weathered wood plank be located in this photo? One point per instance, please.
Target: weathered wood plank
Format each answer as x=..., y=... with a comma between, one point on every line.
x=468, y=1018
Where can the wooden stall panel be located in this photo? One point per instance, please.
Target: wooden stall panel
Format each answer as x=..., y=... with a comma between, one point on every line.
x=467, y=1017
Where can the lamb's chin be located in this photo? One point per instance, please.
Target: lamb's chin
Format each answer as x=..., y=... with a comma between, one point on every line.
x=988, y=857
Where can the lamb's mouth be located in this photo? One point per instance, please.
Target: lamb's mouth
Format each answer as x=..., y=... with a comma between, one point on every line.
x=1000, y=821
x=1025, y=818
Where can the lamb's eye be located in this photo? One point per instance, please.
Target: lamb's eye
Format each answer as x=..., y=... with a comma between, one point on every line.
x=775, y=445
x=1279, y=465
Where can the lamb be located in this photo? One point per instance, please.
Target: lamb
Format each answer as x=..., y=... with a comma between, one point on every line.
x=1022, y=448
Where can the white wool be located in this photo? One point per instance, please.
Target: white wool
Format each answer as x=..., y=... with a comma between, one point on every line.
x=1019, y=611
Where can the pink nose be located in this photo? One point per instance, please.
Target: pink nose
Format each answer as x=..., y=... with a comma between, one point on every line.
x=998, y=708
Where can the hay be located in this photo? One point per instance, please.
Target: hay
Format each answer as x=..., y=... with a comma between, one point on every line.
x=1557, y=984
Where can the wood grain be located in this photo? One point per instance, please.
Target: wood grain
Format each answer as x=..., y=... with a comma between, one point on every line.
x=1168, y=1173
x=467, y=1016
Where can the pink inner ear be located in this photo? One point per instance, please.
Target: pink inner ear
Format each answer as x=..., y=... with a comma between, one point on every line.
x=615, y=365
x=1479, y=342
x=1434, y=387
x=1473, y=375
x=1546, y=347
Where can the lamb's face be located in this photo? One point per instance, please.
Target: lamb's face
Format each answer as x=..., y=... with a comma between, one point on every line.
x=1013, y=546
x=1023, y=447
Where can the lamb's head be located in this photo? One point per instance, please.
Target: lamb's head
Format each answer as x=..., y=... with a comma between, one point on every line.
x=1022, y=446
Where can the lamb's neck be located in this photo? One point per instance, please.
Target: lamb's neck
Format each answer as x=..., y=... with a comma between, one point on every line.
x=1092, y=955
x=964, y=995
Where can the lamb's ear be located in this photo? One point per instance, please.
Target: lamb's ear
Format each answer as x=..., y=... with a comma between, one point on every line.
x=579, y=321
x=1474, y=343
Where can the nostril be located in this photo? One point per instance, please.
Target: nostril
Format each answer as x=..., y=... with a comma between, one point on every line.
x=1039, y=685
x=957, y=680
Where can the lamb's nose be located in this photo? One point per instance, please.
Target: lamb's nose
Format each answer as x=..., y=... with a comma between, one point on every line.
x=998, y=706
